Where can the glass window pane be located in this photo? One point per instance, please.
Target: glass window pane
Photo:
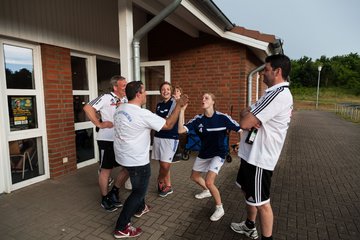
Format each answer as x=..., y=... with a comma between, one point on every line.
x=105, y=70
x=79, y=73
x=84, y=145
x=154, y=76
x=19, y=67
x=26, y=159
x=79, y=103
x=22, y=112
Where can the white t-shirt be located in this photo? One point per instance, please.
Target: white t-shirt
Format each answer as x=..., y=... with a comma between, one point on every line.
x=106, y=104
x=132, y=134
x=273, y=109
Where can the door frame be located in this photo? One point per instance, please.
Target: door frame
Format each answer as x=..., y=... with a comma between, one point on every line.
x=6, y=135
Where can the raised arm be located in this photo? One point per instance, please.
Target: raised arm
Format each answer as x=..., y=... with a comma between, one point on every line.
x=181, y=128
x=170, y=121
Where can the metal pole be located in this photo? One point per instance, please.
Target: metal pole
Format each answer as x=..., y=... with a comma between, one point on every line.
x=318, y=86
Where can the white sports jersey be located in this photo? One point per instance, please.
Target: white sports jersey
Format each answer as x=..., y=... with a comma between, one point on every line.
x=106, y=104
x=132, y=134
x=273, y=109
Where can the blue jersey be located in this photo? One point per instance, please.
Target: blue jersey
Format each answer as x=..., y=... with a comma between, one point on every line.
x=212, y=133
x=164, y=110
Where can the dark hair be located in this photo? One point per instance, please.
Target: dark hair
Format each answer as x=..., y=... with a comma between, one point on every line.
x=132, y=88
x=280, y=61
x=166, y=83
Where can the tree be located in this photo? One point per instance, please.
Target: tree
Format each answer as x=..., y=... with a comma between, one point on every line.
x=338, y=71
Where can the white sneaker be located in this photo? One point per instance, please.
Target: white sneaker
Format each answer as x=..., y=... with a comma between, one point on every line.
x=128, y=185
x=219, y=212
x=243, y=229
x=203, y=194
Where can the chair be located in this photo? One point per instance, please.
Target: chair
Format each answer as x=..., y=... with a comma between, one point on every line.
x=17, y=156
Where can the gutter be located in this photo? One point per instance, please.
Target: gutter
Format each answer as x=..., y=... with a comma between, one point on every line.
x=144, y=30
x=219, y=14
x=276, y=48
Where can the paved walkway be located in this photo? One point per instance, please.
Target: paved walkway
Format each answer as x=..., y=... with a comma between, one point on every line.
x=315, y=195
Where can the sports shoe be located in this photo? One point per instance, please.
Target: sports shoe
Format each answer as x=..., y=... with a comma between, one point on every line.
x=204, y=194
x=166, y=191
x=145, y=210
x=114, y=197
x=127, y=184
x=243, y=229
x=108, y=205
x=219, y=212
x=128, y=232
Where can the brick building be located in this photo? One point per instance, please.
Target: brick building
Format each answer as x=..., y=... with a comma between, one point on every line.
x=56, y=55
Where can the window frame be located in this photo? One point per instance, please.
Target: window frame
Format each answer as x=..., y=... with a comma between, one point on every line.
x=38, y=132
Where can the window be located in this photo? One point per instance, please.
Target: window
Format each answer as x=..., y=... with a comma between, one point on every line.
x=79, y=73
x=23, y=132
x=19, y=67
x=152, y=75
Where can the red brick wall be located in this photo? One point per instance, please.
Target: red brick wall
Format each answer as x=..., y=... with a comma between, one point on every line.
x=56, y=65
x=205, y=64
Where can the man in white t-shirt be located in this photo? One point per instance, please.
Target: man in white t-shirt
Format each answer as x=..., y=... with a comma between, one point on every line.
x=267, y=120
x=106, y=105
x=132, y=145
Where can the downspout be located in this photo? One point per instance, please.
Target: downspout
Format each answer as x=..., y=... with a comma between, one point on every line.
x=276, y=49
x=144, y=30
x=258, y=69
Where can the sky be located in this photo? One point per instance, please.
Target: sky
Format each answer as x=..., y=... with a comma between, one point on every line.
x=311, y=28
x=17, y=58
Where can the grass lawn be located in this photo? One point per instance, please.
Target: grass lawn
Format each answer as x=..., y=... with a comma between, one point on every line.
x=329, y=100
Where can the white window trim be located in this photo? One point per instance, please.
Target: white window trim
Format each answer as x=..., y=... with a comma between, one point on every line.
x=5, y=167
x=167, y=72
x=91, y=72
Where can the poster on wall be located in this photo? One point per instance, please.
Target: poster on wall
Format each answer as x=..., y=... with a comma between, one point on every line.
x=21, y=113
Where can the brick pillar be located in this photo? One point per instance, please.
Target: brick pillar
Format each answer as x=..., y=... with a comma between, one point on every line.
x=56, y=65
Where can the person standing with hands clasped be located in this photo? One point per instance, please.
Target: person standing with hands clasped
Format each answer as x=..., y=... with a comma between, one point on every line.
x=106, y=104
x=133, y=125
x=211, y=127
x=267, y=122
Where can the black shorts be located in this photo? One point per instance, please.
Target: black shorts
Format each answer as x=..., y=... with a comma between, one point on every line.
x=255, y=182
x=107, y=155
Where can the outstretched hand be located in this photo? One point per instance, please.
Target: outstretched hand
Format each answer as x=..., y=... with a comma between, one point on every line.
x=183, y=100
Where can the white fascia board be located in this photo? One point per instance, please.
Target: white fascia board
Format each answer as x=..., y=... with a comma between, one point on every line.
x=227, y=34
x=246, y=40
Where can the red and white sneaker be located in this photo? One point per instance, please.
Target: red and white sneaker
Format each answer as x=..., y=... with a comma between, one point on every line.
x=128, y=232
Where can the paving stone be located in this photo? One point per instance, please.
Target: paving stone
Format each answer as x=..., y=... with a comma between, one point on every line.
x=315, y=195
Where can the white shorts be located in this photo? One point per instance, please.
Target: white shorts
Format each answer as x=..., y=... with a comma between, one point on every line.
x=164, y=149
x=209, y=164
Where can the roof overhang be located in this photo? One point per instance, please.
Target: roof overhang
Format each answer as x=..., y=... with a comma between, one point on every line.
x=195, y=16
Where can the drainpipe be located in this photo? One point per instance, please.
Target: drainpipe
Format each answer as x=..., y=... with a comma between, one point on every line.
x=144, y=30
x=219, y=14
x=256, y=70
x=276, y=48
